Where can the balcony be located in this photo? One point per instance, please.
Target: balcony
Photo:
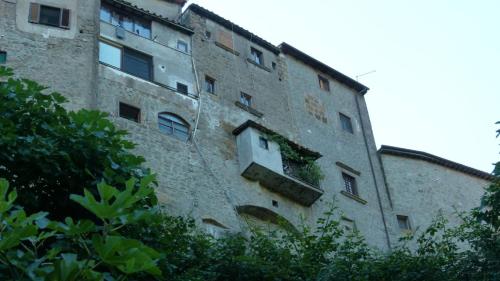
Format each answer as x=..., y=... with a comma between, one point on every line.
x=261, y=160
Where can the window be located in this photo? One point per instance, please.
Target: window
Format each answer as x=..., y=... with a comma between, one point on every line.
x=404, y=223
x=182, y=46
x=128, y=22
x=110, y=55
x=47, y=15
x=210, y=85
x=129, y=112
x=3, y=57
x=323, y=83
x=346, y=123
x=127, y=60
x=263, y=143
x=182, y=88
x=173, y=125
x=137, y=64
x=256, y=56
x=246, y=100
x=208, y=34
x=350, y=184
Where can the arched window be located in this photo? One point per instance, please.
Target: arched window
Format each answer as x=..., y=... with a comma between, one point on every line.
x=173, y=125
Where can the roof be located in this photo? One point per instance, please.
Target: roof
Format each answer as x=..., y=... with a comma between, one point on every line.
x=314, y=63
x=234, y=27
x=301, y=149
x=179, y=2
x=419, y=155
x=127, y=6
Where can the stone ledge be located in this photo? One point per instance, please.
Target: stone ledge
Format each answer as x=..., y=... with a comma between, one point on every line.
x=347, y=168
x=354, y=197
x=225, y=48
x=249, y=109
x=258, y=65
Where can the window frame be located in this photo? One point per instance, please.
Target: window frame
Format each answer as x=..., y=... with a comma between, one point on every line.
x=211, y=81
x=255, y=55
x=124, y=49
x=352, y=187
x=179, y=121
x=246, y=99
x=129, y=106
x=3, y=57
x=406, y=222
x=324, y=83
x=182, y=85
x=182, y=43
x=263, y=143
x=346, y=127
x=121, y=15
x=35, y=15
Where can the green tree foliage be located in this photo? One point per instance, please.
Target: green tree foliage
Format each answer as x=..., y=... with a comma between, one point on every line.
x=48, y=153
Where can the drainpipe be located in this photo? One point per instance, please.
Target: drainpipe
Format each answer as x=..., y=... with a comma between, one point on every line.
x=372, y=166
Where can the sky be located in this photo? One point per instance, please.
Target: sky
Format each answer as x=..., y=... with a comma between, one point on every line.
x=435, y=63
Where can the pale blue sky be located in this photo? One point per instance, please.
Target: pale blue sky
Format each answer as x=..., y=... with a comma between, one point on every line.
x=436, y=63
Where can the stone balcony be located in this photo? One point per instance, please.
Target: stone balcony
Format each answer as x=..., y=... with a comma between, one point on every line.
x=260, y=160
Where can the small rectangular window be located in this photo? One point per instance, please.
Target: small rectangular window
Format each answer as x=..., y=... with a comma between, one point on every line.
x=256, y=56
x=263, y=143
x=350, y=184
x=47, y=15
x=246, y=100
x=182, y=88
x=182, y=46
x=3, y=57
x=404, y=223
x=210, y=85
x=110, y=55
x=324, y=84
x=130, y=112
x=346, y=123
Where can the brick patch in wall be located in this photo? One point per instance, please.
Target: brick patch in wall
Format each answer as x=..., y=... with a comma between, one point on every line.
x=315, y=108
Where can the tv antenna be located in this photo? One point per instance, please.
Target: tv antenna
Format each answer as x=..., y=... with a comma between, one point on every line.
x=369, y=72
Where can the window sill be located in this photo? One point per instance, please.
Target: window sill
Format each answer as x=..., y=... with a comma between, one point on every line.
x=258, y=65
x=249, y=109
x=225, y=48
x=354, y=197
x=193, y=96
x=48, y=25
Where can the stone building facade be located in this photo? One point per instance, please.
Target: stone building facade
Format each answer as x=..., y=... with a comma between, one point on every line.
x=207, y=101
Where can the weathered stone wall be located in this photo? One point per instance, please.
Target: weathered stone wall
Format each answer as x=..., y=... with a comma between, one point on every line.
x=316, y=114
x=421, y=190
x=62, y=59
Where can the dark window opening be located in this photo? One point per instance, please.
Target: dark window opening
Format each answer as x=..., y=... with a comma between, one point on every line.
x=246, y=100
x=210, y=85
x=350, y=184
x=3, y=57
x=256, y=56
x=47, y=15
x=273, y=65
x=263, y=143
x=128, y=22
x=129, y=112
x=137, y=64
x=173, y=125
x=324, y=84
x=404, y=223
x=208, y=34
x=275, y=203
x=182, y=88
x=346, y=123
x=182, y=46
